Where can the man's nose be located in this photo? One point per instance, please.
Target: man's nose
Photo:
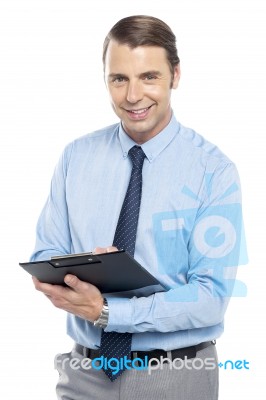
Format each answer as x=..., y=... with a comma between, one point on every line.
x=134, y=92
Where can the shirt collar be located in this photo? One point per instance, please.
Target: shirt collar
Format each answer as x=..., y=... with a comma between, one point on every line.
x=153, y=147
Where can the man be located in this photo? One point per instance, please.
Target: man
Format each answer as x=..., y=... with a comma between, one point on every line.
x=187, y=230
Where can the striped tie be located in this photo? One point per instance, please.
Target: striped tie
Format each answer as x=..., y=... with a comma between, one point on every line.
x=113, y=344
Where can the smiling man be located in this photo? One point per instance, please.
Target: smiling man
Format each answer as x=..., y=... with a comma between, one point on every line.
x=139, y=81
x=160, y=191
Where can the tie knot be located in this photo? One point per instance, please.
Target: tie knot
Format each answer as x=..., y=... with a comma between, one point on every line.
x=137, y=156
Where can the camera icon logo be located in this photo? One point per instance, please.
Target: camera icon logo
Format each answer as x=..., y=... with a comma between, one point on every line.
x=215, y=236
x=206, y=241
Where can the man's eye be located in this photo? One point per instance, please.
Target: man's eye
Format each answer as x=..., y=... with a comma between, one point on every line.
x=118, y=79
x=150, y=77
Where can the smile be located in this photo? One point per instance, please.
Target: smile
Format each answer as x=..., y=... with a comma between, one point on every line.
x=138, y=114
x=139, y=111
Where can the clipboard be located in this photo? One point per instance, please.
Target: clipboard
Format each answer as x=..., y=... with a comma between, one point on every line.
x=110, y=272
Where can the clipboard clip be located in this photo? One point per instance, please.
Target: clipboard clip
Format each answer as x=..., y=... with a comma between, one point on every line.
x=72, y=255
x=71, y=260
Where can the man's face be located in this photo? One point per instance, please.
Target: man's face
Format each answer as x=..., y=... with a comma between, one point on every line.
x=139, y=82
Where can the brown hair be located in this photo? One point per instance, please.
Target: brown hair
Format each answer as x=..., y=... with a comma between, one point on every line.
x=144, y=30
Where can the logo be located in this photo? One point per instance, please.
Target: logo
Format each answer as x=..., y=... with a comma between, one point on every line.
x=208, y=239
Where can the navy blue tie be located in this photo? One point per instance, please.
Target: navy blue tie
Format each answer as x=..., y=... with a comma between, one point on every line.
x=113, y=344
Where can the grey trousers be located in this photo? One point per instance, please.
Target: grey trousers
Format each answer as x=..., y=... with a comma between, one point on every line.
x=197, y=379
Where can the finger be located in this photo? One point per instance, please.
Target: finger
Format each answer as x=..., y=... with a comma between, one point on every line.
x=75, y=283
x=47, y=288
x=103, y=250
x=35, y=280
x=111, y=249
x=99, y=250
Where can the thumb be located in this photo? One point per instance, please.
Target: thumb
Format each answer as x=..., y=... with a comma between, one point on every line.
x=72, y=281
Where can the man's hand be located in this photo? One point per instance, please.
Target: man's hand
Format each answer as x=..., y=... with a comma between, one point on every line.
x=102, y=250
x=79, y=298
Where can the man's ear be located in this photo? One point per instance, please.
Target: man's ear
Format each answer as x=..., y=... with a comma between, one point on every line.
x=176, y=76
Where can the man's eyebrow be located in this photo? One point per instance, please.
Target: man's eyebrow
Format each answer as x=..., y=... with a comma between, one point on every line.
x=116, y=75
x=142, y=75
x=152, y=72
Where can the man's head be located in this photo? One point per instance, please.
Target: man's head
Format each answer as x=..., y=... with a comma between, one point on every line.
x=144, y=30
x=141, y=68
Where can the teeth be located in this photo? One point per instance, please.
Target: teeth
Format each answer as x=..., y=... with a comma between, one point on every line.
x=139, y=111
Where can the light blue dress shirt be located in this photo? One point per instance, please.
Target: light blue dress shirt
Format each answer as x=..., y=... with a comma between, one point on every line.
x=189, y=233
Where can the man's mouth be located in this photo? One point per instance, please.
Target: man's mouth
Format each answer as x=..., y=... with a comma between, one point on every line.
x=139, y=114
x=139, y=111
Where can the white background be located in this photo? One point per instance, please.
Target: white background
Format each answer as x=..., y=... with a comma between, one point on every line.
x=52, y=91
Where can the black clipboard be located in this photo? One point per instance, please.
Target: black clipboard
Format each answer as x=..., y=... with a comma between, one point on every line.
x=110, y=272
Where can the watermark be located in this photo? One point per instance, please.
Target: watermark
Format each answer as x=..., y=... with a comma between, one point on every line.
x=234, y=365
x=146, y=364
x=214, y=235
x=139, y=364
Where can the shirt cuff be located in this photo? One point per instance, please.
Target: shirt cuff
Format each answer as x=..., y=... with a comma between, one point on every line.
x=120, y=315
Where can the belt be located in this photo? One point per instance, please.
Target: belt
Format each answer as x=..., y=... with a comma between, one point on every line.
x=185, y=352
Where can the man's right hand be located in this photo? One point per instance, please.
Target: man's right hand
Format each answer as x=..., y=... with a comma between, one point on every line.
x=102, y=250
